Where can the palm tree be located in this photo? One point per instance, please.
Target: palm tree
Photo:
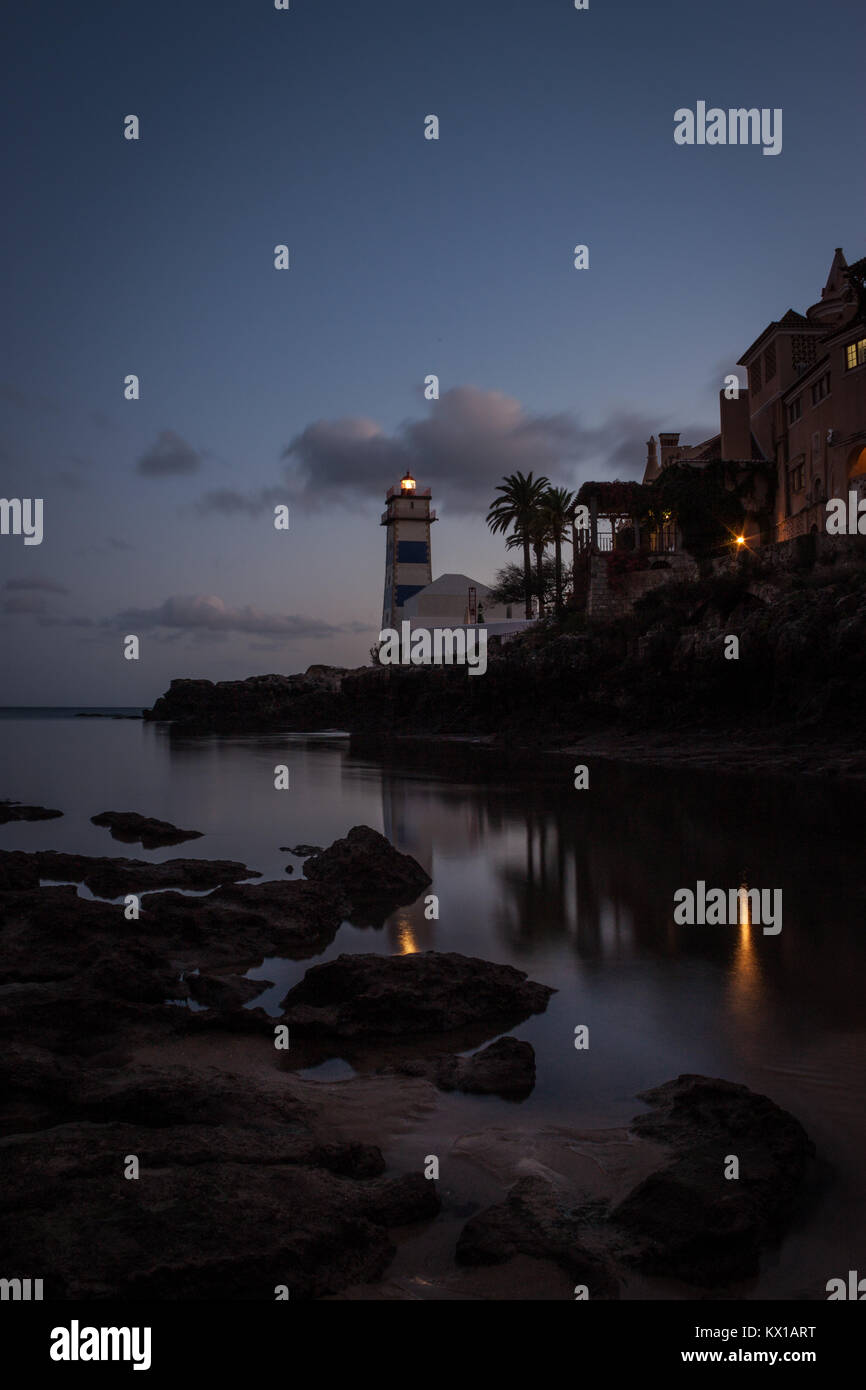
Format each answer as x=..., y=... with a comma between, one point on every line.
x=558, y=511
x=517, y=507
x=539, y=535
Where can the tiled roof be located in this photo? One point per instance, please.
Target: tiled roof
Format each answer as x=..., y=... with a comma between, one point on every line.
x=791, y=319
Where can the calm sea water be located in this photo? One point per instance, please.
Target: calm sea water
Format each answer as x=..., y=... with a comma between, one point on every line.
x=574, y=887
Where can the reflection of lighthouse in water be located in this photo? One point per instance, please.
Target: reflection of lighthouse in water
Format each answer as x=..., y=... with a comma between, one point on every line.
x=424, y=820
x=408, y=929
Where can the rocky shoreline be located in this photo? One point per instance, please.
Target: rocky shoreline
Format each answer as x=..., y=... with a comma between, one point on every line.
x=652, y=686
x=147, y=1101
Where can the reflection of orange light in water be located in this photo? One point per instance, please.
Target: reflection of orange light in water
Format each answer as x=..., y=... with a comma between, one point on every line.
x=406, y=938
x=745, y=981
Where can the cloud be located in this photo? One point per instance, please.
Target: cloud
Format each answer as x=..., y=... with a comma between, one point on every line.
x=226, y=502
x=471, y=439
x=57, y=620
x=170, y=456
x=202, y=613
x=23, y=603
x=461, y=450
x=45, y=586
x=618, y=446
x=27, y=595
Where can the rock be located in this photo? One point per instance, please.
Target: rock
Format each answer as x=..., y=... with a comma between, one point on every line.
x=505, y=1068
x=18, y=871
x=290, y=868
x=302, y=851
x=112, y=878
x=370, y=871
x=684, y=1218
x=244, y=921
x=535, y=1220
x=133, y=829
x=687, y=1219
x=103, y=952
x=239, y=1192
x=14, y=810
x=369, y=996
x=224, y=991
x=308, y=701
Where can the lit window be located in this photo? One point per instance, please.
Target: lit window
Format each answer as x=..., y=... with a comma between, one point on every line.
x=855, y=354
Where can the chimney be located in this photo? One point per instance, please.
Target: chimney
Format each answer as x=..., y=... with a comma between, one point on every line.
x=669, y=444
x=736, y=426
x=652, y=463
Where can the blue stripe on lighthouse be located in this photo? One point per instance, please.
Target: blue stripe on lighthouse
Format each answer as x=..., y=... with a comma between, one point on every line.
x=412, y=552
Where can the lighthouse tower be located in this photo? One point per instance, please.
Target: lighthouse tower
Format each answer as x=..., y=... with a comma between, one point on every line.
x=407, y=551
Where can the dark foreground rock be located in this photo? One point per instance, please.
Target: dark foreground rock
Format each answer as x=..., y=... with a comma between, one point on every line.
x=302, y=851
x=370, y=871
x=505, y=1068
x=686, y=1219
x=224, y=991
x=251, y=1176
x=689, y=1219
x=238, y=1191
x=245, y=921
x=536, y=1220
x=133, y=829
x=367, y=996
x=52, y=936
x=15, y=810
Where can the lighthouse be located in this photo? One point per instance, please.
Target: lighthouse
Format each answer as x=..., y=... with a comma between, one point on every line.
x=408, y=564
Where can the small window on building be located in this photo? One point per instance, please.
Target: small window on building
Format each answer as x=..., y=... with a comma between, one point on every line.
x=796, y=477
x=508, y=611
x=795, y=409
x=855, y=354
x=755, y=376
x=770, y=363
x=821, y=388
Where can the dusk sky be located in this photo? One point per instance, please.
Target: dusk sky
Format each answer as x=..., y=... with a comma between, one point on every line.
x=408, y=257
